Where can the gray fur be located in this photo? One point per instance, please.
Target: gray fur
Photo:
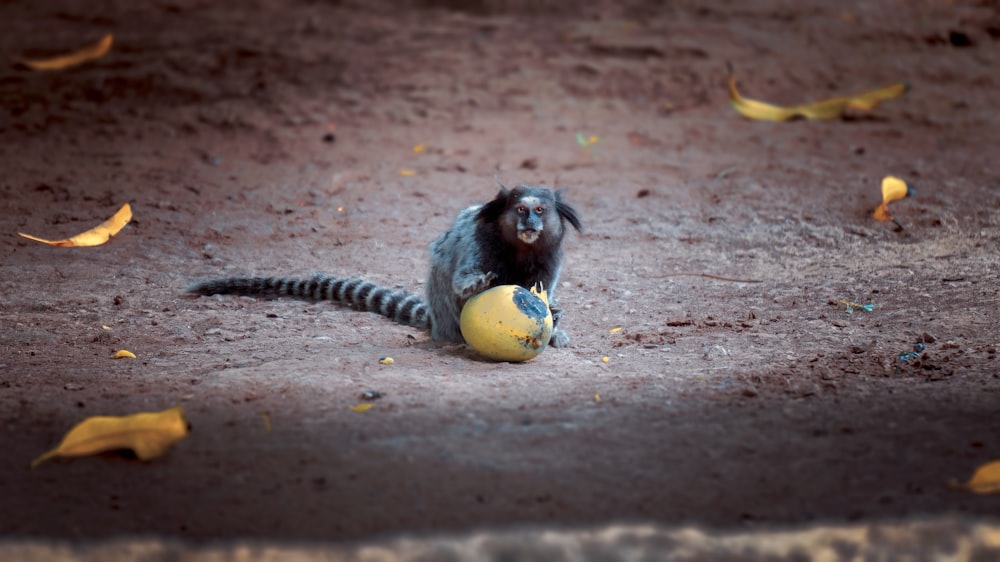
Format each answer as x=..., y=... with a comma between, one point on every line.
x=400, y=306
x=515, y=239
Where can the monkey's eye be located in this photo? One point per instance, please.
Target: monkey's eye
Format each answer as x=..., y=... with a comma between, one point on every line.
x=522, y=210
x=539, y=210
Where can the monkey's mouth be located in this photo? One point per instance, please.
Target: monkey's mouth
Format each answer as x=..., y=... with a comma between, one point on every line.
x=529, y=236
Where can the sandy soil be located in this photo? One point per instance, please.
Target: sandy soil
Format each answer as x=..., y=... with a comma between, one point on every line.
x=270, y=137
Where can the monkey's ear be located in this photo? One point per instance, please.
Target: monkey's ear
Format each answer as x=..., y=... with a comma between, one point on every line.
x=567, y=213
x=496, y=180
x=491, y=211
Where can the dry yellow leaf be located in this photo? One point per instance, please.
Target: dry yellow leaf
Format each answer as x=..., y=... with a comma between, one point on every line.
x=417, y=149
x=407, y=173
x=88, y=53
x=148, y=434
x=868, y=100
x=893, y=189
x=362, y=407
x=827, y=109
x=615, y=330
x=93, y=237
x=123, y=353
x=986, y=479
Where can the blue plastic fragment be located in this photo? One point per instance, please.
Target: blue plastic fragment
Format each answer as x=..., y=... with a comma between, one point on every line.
x=851, y=306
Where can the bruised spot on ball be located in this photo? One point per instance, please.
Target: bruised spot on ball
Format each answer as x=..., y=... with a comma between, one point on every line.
x=529, y=304
x=532, y=342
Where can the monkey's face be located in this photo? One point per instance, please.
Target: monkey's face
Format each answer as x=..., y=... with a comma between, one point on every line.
x=530, y=215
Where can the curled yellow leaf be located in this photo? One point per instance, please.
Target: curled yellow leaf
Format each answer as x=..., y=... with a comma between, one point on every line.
x=881, y=213
x=827, y=109
x=149, y=435
x=868, y=100
x=88, y=53
x=124, y=353
x=362, y=407
x=986, y=479
x=893, y=189
x=93, y=237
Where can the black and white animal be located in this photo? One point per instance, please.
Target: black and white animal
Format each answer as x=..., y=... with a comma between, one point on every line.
x=515, y=239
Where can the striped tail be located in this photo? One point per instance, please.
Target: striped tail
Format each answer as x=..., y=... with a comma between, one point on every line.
x=400, y=306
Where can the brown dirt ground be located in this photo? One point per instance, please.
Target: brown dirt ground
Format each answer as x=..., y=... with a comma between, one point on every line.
x=268, y=137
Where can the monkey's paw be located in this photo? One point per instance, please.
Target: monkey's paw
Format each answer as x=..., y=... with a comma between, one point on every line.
x=557, y=313
x=470, y=285
x=559, y=338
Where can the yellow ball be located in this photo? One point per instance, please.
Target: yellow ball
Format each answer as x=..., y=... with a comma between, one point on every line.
x=507, y=323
